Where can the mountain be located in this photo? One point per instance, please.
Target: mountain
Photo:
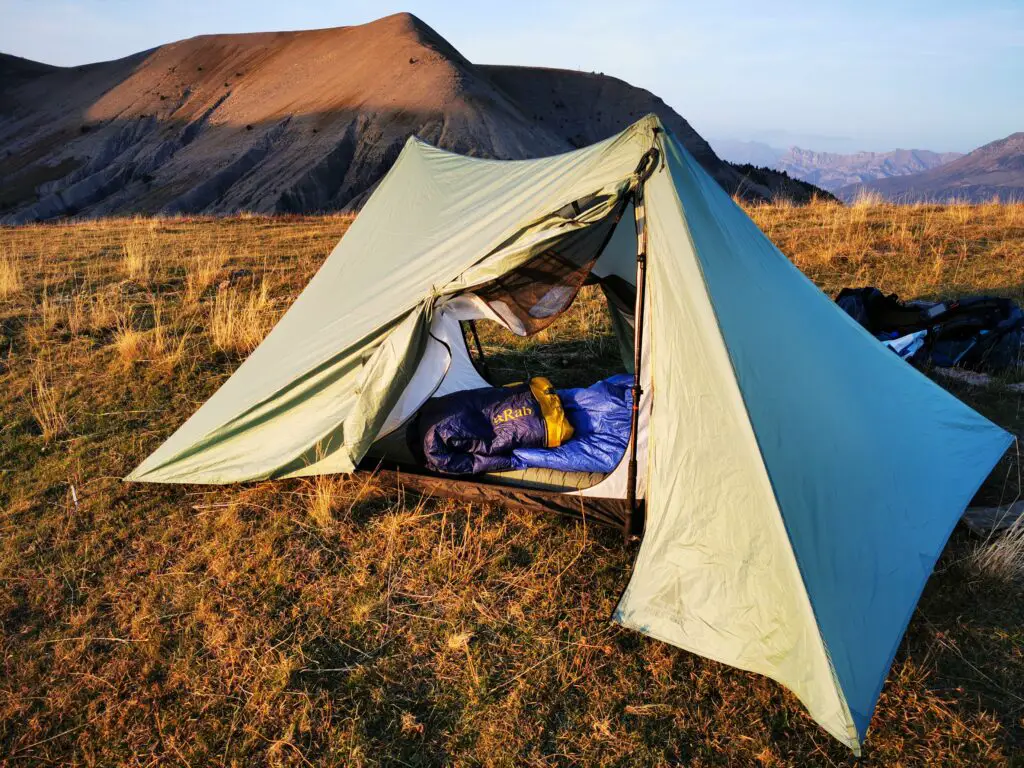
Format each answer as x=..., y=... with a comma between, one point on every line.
x=747, y=152
x=994, y=170
x=291, y=121
x=17, y=69
x=832, y=171
x=589, y=107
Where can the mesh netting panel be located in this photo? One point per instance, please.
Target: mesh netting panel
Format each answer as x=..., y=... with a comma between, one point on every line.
x=532, y=296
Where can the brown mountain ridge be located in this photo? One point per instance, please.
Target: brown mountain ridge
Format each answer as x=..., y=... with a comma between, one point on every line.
x=293, y=122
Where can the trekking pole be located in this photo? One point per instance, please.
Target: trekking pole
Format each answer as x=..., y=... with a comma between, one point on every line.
x=647, y=165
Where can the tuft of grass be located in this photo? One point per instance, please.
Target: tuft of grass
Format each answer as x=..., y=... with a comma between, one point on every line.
x=103, y=312
x=129, y=342
x=47, y=406
x=1001, y=556
x=156, y=344
x=158, y=341
x=238, y=318
x=77, y=313
x=10, y=276
x=867, y=198
x=202, y=272
x=137, y=258
x=962, y=211
x=46, y=315
x=324, y=493
x=49, y=313
x=174, y=350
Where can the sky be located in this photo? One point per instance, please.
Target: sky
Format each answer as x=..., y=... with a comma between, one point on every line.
x=840, y=75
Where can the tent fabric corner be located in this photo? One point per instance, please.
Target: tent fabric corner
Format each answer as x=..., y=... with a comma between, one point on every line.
x=718, y=583
x=864, y=463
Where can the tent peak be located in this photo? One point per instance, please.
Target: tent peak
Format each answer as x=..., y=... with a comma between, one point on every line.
x=649, y=123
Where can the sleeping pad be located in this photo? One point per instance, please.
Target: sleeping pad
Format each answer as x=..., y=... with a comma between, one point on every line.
x=601, y=417
x=477, y=430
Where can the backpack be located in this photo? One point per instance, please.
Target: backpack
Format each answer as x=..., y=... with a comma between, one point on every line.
x=982, y=332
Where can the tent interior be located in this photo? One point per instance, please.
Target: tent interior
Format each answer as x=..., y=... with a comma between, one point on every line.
x=597, y=259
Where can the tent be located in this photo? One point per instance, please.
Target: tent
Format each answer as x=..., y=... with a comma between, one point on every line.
x=798, y=479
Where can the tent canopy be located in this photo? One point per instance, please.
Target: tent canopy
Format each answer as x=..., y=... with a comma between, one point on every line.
x=802, y=479
x=307, y=398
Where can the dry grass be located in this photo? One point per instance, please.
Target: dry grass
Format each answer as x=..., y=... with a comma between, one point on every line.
x=325, y=493
x=1002, y=556
x=102, y=311
x=10, y=276
x=77, y=313
x=137, y=257
x=334, y=622
x=47, y=406
x=49, y=313
x=915, y=251
x=867, y=198
x=130, y=344
x=202, y=273
x=238, y=318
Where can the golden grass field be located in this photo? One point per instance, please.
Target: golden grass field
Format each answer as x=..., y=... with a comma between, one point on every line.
x=335, y=622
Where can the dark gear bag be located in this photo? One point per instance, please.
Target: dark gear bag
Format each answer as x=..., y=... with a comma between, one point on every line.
x=983, y=332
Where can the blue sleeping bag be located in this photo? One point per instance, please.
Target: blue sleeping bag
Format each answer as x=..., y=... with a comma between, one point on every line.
x=601, y=418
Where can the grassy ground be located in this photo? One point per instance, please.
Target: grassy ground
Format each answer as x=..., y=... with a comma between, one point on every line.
x=336, y=622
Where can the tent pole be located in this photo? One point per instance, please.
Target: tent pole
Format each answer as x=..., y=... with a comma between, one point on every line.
x=644, y=169
x=638, y=325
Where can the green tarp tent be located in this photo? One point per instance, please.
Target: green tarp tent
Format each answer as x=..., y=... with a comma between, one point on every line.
x=799, y=479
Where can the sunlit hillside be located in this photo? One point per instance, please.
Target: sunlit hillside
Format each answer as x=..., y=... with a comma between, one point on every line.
x=338, y=621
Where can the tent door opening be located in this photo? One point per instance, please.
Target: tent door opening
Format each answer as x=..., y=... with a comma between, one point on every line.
x=610, y=252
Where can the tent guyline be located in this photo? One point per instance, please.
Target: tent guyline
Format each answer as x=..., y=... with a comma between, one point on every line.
x=796, y=480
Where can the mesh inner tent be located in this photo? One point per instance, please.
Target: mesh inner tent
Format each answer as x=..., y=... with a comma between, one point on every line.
x=533, y=295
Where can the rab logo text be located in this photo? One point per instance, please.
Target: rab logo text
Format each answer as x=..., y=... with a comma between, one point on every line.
x=511, y=414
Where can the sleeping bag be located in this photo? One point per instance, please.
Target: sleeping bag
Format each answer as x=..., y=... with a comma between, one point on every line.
x=601, y=417
x=477, y=430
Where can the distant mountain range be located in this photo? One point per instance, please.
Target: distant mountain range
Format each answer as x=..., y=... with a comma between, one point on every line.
x=747, y=152
x=832, y=170
x=295, y=122
x=903, y=175
x=995, y=170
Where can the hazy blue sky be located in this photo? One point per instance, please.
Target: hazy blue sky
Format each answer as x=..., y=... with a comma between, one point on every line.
x=853, y=74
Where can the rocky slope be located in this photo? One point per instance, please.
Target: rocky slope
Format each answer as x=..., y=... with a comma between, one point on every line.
x=290, y=121
x=995, y=170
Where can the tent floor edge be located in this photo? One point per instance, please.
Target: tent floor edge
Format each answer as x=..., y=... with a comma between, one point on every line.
x=609, y=512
